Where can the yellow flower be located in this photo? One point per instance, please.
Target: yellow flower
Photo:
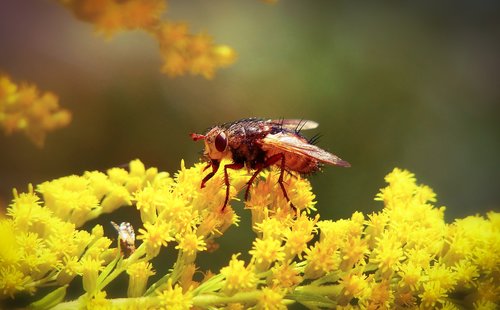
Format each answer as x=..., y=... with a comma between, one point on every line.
x=10, y=256
x=285, y=276
x=12, y=281
x=387, y=253
x=441, y=274
x=354, y=285
x=433, y=294
x=190, y=243
x=89, y=269
x=410, y=274
x=380, y=296
x=321, y=259
x=138, y=278
x=110, y=16
x=271, y=299
x=298, y=235
x=99, y=301
x=23, y=108
x=238, y=277
x=155, y=236
x=173, y=298
x=466, y=272
x=266, y=251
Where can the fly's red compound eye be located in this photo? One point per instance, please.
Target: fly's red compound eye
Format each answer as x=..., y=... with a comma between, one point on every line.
x=221, y=142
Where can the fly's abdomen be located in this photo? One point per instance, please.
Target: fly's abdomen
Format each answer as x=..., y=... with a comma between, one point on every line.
x=301, y=164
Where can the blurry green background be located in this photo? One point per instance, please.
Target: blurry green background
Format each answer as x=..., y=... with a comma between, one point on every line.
x=396, y=84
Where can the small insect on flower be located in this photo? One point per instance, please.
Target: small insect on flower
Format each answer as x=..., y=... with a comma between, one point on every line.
x=259, y=144
x=126, y=236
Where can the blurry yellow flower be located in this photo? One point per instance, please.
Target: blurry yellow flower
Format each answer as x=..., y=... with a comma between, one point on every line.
x=23, y=108
x=110, y=16
x=184, y=52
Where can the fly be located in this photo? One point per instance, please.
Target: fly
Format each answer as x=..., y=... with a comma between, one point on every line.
x=260, y=143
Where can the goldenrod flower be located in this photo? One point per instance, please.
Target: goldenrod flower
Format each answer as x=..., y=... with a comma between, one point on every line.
x=98, y=301
x=387, y=253
x=433, y=294
x=190, y=243
x=23, y=108
x=285, y=276
x=404, y=256
x=12, y=281
x=237, y=276
x=139, y=274
x=172, y=297
x=266, y=251
x=155, y=236
x=271, y=299
x=89, y=269
x=298, y=235
x=110, y=16
x=321, y=258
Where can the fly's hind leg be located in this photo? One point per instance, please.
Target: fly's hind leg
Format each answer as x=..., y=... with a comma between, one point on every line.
x=271, y=161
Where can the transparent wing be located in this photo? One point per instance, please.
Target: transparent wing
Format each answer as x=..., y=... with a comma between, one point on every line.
x=295, y=124
x=295, y=144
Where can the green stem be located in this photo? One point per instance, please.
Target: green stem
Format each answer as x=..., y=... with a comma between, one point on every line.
x=207, y=300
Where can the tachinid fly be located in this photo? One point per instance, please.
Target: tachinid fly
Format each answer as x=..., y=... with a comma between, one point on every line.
x=258, y=144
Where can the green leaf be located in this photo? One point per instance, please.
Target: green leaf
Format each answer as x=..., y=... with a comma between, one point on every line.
x=51, y=299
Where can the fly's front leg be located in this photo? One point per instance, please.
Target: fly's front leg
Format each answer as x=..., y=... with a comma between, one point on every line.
x=234, y=166
x=215, y=166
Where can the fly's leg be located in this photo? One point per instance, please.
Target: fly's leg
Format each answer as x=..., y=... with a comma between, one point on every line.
x=271, y=161
x=235, y=166
x=215, y=167
x=252, y=178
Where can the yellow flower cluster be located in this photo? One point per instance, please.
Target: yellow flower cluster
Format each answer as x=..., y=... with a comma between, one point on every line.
x=402, y=256
x=24, y=109
x=182, y=52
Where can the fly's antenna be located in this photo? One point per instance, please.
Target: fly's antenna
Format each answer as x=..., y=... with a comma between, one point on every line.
x=197, y=137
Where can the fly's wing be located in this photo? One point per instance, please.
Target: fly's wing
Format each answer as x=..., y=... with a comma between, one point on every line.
x=295, y=144
x=295, y=124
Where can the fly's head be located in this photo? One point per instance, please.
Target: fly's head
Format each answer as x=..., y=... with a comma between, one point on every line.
x=216, y=143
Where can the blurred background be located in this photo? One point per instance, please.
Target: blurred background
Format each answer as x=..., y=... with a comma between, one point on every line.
x=399, y=84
